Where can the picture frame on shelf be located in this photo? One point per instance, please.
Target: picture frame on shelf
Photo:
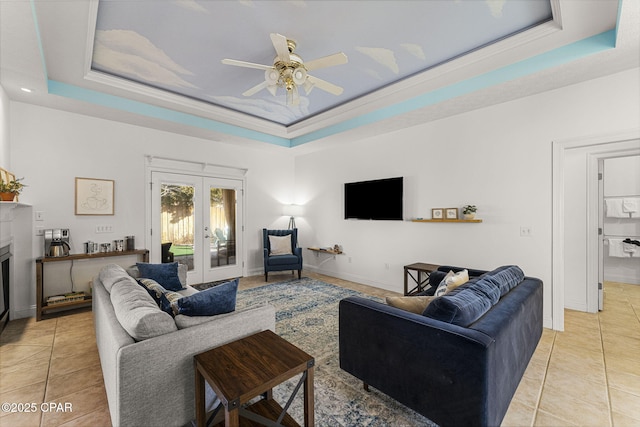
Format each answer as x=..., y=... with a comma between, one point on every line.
x=451, y=213
x=437, y=213
x=94, y=196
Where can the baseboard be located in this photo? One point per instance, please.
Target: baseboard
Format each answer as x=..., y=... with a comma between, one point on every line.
x=621, y=278
x=22, y=313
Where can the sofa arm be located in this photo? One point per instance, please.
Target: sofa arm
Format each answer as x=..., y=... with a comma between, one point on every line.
x=435, y=368
x=156, y=376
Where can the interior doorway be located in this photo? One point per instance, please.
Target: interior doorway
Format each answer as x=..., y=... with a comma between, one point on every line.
x=619, y=222
x=575, y=208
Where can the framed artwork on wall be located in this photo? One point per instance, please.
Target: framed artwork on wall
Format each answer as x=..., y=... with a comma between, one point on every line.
x=94, y=196
x=451, y=213
x=437, y=213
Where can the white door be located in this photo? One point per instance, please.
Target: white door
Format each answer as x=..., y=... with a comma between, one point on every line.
x=196, y=221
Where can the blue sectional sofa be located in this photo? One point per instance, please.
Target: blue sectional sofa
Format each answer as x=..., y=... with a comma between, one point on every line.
x=460, y=362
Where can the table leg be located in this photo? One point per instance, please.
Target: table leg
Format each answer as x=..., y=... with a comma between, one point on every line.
x=231, y=417
x=201, y=412
x=309, y=409
x=406, y=281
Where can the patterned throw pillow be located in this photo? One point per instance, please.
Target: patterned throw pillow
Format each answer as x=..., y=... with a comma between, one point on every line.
x=160, y=295
x=451, y=281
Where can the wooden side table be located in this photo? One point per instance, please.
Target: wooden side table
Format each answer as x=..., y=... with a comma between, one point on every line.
x=421, y=280
x=249, y=367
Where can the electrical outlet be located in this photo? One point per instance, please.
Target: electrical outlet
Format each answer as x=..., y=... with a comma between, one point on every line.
x=39, y=231
x=525, y=231
x=104, y=228
x=39, y=216
x=386, y=266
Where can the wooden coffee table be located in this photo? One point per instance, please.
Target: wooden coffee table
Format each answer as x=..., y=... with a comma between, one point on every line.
x=250, y=367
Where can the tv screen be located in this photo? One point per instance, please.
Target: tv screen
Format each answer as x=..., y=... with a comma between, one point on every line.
x=381, y=199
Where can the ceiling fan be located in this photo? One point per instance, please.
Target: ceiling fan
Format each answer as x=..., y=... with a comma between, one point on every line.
x=289, y=71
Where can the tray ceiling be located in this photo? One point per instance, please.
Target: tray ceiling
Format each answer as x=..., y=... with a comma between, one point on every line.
x=158, y=63
x=177, y=46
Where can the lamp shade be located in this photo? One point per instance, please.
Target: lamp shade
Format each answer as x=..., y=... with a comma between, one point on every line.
x=292, y=210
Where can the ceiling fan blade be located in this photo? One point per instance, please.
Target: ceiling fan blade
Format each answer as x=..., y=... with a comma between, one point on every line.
x=246, y=64
x=327, y=61
x=325, y=85
x=257, y=88
x=280, y=44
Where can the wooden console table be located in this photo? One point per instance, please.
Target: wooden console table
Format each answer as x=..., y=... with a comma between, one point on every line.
x=43, y=308
x=421, y=282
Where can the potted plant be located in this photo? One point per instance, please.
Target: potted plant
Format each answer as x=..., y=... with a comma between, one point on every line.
x=469, y=211
x=9, y=190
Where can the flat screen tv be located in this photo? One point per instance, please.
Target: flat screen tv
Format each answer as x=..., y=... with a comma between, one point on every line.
x=381, y=199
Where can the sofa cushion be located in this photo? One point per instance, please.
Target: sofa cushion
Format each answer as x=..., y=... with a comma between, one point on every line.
x=165, y=274
x=283, y=259
x=216, y=300
x=137, y=311
x=469, y=302
x=414, y=304
x=110, y=274
x=505, y=278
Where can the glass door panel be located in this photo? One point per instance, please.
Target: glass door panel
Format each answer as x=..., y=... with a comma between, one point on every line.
x=177, y=223
x=224, y=238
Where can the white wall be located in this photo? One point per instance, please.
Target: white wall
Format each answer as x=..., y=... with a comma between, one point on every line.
x=4, y=130
x=50, y=148
x=498, y=158
x=622, y=179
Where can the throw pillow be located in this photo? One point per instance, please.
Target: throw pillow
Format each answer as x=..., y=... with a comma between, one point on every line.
x=280, y=245
x=451, y=281
x=415, y=304
x=165, y=274
x=217, y=300
x=182, y=273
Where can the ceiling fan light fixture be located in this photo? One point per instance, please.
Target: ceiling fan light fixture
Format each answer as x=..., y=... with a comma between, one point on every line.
x=271, y=76
x=299, y=75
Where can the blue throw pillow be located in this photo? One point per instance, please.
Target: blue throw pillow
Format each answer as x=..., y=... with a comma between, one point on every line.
x=165, y=274
x=217, y=300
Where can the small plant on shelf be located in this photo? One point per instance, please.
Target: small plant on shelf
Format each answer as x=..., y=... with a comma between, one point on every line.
x=9, y=190
x=469, y=211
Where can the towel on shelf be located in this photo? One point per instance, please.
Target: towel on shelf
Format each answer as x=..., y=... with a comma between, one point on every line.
x=631, y=205
x=632, y=249
x=616, y=249
x=614, y=208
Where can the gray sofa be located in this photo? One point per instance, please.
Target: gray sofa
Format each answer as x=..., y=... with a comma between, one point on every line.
x=149, y=377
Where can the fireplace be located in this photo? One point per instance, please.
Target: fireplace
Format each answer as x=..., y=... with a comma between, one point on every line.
x=5, y=255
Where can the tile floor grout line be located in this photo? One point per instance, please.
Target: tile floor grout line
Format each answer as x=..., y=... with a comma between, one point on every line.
x=46, y=384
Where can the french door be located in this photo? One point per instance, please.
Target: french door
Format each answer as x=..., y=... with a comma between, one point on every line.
x=197, y=221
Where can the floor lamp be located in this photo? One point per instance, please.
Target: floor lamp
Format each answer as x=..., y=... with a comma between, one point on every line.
x=292, y=211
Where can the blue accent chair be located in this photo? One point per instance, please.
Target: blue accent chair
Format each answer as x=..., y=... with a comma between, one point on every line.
x=281, y=262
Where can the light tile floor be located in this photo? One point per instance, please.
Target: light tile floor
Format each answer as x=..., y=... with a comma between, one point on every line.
x=588, y=375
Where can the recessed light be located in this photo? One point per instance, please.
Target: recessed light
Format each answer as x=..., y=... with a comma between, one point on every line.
x=26, y=89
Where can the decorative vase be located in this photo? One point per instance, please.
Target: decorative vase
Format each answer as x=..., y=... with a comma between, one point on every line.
x=7, y=197
x=469, y=215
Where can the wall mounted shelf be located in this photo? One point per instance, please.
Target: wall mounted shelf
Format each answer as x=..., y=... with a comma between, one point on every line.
x=447, y=220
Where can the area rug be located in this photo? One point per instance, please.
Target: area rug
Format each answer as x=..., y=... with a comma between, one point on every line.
x=307, y=316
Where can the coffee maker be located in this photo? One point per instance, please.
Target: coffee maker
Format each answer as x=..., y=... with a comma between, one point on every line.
x=56, y=242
